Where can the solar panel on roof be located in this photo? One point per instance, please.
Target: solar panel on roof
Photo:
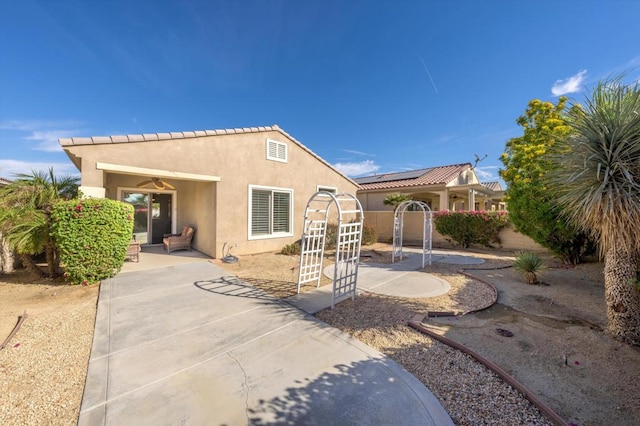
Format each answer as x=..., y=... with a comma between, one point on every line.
x=390, y=177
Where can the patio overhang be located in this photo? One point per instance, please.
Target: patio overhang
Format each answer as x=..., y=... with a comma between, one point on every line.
x=160, y=173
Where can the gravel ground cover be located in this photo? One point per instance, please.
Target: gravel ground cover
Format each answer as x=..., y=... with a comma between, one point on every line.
x=43, y=368
x=470, y=393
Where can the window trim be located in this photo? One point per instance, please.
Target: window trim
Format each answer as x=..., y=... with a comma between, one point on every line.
x=277, y=144
x=271, y=235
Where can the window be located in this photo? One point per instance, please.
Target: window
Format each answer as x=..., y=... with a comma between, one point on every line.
x=270, y=212
x=276, y=151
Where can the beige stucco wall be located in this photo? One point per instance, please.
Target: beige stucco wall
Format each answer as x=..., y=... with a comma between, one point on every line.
x=219, y=210
x=413, y=225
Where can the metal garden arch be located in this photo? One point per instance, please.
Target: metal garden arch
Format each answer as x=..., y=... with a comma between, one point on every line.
x=350, y=220
x=427, y=230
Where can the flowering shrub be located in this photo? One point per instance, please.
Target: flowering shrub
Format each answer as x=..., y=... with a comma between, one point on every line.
x=472, y=227
x=93, y=236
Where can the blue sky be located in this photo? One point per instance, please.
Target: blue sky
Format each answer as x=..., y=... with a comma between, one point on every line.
x=372, y=87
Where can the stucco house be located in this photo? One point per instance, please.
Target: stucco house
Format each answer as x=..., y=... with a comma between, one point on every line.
x=452, y=187
x=245, y=187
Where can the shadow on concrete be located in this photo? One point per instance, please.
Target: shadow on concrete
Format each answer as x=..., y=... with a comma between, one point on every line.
x=278, y=289
x=233, y=286
x=340, y=397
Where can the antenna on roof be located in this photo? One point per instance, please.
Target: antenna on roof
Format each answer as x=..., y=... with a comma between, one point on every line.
x=478, y=159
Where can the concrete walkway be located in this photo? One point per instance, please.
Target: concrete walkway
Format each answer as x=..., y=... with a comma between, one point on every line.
x=400, y=279
x=188, y=344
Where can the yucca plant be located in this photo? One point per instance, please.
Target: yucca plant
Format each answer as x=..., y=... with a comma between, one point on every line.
x=596, y=178
x=530, y=264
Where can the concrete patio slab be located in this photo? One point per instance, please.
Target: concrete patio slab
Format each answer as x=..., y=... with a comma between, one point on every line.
x=188, y=344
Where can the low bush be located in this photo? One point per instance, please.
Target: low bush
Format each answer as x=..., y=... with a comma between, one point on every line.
x=369, y=236
x=471, y=227
x=292, y=249
x=93, y=236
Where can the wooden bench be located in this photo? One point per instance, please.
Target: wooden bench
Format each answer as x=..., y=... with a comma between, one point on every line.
x=133, y=251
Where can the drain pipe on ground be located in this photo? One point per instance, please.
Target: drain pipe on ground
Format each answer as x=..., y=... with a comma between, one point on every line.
x=21, y=319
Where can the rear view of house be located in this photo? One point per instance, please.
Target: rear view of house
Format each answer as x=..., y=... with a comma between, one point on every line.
x=246, y=188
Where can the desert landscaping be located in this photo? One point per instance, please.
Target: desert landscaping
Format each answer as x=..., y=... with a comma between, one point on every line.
x=549, y=337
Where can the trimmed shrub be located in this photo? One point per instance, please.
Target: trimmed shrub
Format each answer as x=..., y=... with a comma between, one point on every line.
x=471, y=227
x=93, y=236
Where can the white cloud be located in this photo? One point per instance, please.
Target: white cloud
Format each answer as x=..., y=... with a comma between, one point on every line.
x=487, y=173
x=351, y=151
x=569, y=85
x=43, y=132
x=32, y=125
x=357, y=169
x=48, y=139
x=10, y=167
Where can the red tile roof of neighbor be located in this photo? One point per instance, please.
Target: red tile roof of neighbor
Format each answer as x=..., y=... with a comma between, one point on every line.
x=429, y=176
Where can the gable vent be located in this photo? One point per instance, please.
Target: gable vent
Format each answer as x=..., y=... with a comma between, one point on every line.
x=276, y=151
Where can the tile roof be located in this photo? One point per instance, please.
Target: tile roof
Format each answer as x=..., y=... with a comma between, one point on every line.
x=429, y=176
x=150, y=137
x=493, y=186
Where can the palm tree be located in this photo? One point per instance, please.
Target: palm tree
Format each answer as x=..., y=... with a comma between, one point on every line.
x=597, y=179
x=395, y=199
x=25, y=215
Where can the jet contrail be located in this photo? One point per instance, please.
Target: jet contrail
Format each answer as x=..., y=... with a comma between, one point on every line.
x=429, y=74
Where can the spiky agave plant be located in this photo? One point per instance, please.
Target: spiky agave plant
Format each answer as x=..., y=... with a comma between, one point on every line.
x=530, y=264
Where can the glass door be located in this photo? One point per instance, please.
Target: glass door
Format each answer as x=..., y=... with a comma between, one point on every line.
x=140, y=203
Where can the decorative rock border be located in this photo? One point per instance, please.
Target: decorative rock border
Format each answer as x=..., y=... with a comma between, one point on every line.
x=416, y=324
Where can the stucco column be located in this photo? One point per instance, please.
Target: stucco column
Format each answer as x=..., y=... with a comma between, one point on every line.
x=92, y=181
x=444, y=200
x=472, y=200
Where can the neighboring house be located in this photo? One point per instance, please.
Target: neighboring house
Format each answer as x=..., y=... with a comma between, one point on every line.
x=454, y=187
x=246, y=188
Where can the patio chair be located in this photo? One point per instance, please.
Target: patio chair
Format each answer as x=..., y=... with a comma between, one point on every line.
x=180, y=241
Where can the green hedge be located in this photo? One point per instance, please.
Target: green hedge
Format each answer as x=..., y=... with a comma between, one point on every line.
x=93, y=236
x=471, y=227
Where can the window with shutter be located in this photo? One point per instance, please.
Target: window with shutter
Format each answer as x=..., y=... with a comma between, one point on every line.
x=270, y=212
x=260, y=207
x=276, y=151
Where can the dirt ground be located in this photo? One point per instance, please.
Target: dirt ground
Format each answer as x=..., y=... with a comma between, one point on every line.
x=561, y=319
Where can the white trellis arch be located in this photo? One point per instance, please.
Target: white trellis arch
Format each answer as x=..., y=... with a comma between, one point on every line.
x=350, y=220
x=427, y=230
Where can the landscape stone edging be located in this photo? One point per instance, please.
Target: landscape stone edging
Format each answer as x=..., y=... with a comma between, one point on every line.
x=416, y=324
x=492, y=302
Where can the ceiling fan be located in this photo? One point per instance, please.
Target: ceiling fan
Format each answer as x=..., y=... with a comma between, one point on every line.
x=157, y=182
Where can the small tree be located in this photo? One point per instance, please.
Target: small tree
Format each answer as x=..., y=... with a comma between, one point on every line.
x=25, y=216
x=530, y=202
